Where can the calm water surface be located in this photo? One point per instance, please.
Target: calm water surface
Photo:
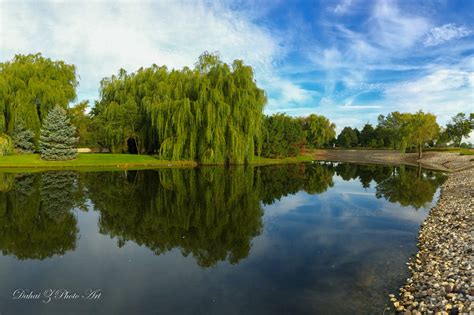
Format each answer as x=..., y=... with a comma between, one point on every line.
x=318, y=238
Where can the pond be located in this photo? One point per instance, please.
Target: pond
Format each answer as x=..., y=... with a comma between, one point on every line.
x=315, y=238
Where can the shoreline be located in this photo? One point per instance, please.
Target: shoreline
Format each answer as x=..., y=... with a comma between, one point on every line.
x=105, y=162
x=442, y=271
x=433, y=160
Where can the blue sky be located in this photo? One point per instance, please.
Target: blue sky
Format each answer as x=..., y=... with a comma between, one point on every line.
x=349, y=60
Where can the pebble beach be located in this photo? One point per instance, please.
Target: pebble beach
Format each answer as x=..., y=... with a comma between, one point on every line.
x=441, y=280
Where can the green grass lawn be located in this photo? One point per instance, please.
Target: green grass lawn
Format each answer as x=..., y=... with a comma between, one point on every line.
x=89, y=160
x=98, y=161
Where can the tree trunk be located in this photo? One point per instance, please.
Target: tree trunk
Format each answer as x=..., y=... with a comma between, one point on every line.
x=420, y=153
x=136, y=145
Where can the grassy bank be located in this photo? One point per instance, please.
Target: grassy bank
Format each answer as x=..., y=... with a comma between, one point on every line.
x=90, y=161
x=99, y=161
x=294, y=159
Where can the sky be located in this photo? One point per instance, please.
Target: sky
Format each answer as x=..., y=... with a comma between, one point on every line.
x=350, y=60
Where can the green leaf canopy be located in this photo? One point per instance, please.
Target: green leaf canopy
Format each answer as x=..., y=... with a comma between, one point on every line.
x=212, y=113
x=30, y=86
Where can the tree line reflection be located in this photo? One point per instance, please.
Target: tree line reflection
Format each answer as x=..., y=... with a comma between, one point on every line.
x=211, y=213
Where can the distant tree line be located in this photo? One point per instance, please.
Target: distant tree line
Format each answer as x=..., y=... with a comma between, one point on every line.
x=406, y=130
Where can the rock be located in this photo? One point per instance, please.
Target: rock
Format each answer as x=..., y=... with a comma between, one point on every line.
x=441, y=271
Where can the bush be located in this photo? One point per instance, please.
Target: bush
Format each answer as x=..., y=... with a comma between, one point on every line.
x=23, y=139
x=6, y=145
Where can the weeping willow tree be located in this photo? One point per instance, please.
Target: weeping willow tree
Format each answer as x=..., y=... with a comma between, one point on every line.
x=30, y=86
x=212, y=113
x=319, y=130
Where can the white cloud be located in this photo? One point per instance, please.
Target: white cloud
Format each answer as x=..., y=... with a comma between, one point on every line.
x=394, y=29
x=447, y=32
x=444, y=92
x=101, y=37
x=287, y=204
x=360, y=106
x=343, y=7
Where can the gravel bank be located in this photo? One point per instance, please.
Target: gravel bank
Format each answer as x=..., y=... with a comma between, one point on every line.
x=441, y=279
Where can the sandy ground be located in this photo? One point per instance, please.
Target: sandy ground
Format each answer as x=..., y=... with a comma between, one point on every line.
x=443, y=161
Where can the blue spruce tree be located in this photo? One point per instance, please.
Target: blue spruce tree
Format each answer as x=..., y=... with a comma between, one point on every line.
x=23, y=139
x=58, y=137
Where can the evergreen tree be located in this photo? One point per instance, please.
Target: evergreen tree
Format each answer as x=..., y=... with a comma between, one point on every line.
x=367, y=136
x=348, y=137
x=58, y=137
x=23, y=139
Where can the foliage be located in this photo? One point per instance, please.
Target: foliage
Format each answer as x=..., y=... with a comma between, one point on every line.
x=283, y=136
x=23, y=139
x=6, y=145
x=368, y=136
x=397, y=131
x=421, y=128
x=30, y=86
x=83, y=123
x=348, y=137
x=58, y=137
x=395, y=128
x=319, y=130
x=459, y=127
x=212, y=113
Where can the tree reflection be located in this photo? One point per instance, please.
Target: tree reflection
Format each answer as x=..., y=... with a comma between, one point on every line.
x=409, y=186
x=281, y=180
x=35, y=213
x=211, y=213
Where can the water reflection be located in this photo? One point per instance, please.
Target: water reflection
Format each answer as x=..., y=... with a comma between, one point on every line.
x=211, y=213
x=407, y=186
x=35, y=214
